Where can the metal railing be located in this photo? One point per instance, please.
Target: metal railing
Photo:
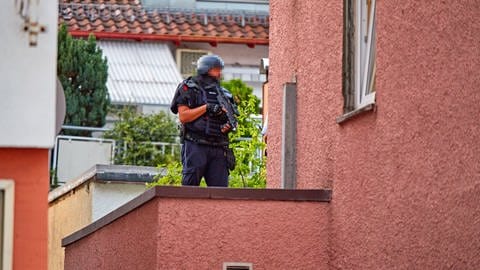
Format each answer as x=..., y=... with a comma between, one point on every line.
x=69, y=157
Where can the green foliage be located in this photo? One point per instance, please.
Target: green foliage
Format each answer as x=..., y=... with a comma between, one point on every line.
x=246, y=143
x=241, y=92
x=248, y=146
x=83, y=73
x=173, y=176
x=134, y=134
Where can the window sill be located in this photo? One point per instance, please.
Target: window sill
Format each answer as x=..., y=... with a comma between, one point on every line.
x=345, y=117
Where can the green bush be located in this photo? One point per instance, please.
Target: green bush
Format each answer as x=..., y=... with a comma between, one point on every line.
x=135, y=135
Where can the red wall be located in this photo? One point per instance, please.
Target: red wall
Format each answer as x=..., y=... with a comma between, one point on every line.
x=128, y=243
x=406, y=178
x=204, y=233
x=306, y=43
x=29, y=169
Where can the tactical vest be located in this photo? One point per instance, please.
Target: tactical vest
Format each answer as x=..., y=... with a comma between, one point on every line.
x=206, y=129
x=214, y=124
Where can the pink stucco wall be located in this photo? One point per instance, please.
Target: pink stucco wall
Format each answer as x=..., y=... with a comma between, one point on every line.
x=306, y=43
x=205, y=233
x=406, y=178
x=270, y=235
x=127, y=243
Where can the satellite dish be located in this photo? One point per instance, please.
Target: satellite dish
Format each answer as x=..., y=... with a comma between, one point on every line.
x=61, y=107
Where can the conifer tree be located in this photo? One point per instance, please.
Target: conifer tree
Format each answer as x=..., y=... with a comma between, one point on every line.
x=83, y=73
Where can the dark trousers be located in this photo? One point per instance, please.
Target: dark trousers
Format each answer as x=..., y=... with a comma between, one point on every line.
x=200, y=160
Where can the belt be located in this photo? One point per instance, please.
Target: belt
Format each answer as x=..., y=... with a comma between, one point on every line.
x=199, y=140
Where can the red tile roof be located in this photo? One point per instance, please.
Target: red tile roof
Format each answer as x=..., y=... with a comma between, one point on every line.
x=128, y=19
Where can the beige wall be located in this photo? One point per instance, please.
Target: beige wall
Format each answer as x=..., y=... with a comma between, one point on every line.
x=66, y=215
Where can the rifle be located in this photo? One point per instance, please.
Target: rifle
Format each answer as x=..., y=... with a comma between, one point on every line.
x=225, y=103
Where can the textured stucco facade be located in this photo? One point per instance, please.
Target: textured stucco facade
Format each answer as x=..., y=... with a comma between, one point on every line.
x=91, y=196
x=29, y=108
x=127, y=244
x=189, y=233
x=406, y=177
x=27, y=168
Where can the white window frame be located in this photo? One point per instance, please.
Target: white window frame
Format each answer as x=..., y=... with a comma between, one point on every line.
x=8, y=187
x=364, y=54
x=179, y=57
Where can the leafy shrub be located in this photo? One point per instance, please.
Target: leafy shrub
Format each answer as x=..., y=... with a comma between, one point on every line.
x=136, y=135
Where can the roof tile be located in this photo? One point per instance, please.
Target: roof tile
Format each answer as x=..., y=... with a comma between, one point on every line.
x=129, y=16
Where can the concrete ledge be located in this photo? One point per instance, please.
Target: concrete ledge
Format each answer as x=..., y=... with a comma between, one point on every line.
x=300, y=195
x=108, y=173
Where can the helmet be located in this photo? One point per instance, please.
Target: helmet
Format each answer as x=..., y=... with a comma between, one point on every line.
x=207, y=62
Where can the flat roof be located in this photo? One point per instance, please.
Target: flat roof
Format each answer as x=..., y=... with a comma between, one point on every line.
x=108, y=173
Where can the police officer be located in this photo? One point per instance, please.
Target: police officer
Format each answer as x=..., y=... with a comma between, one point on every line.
x=205, y=126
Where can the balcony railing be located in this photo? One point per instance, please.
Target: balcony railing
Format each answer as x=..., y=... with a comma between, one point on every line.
x=73, y=155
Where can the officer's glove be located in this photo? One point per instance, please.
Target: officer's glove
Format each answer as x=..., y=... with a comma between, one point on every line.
x=214, y=109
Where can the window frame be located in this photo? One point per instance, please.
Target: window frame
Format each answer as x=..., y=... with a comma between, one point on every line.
x=179, y=62
x=364, y=53
x=7, y=186
x=359, y=54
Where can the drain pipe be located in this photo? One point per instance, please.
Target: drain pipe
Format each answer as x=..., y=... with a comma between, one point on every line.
x=289, y=136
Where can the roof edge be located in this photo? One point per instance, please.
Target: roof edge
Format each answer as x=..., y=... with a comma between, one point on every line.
x=174, y=38
x=107, y=173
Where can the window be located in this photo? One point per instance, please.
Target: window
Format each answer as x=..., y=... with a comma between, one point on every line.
x=6, y=223
x=359, y=54
x=237, y=266
x=187, y=61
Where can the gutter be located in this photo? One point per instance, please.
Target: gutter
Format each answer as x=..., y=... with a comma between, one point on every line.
x=177, y=39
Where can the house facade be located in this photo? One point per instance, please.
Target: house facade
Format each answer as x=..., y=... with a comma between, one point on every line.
x=399, y=147
x=150, y=47
x=132, y=30
x=88, y=198
x=375, y=101
x=28, y=118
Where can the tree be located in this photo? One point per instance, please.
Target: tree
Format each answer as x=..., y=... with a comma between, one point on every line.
x=82, y=70
x=241, y=91
x=136, y=135
x=246, y=143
